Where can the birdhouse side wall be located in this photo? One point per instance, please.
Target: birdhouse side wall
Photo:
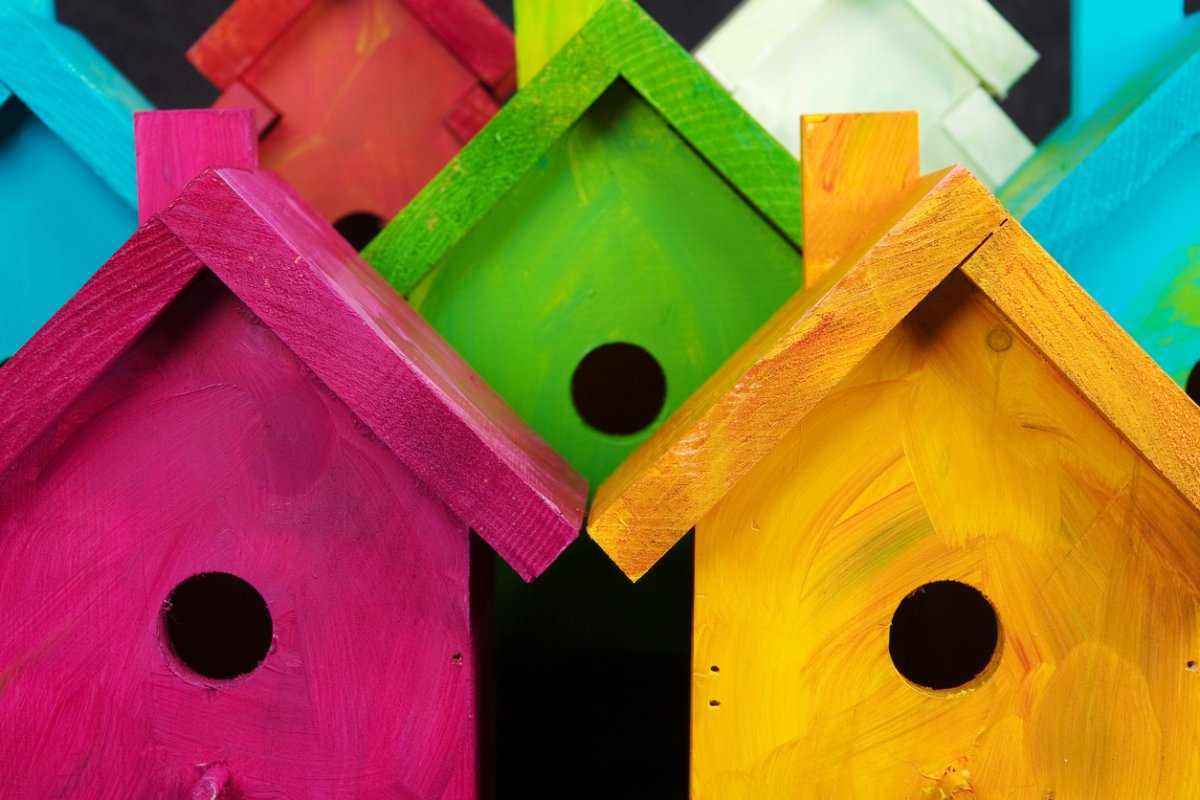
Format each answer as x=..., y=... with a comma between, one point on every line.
x=59, y=221
x=209, y=448
x=371, y=106
x=954, y=452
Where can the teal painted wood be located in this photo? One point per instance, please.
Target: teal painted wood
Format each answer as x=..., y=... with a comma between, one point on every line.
x=1113, y=198
x=1113, y=40
x=68, y=183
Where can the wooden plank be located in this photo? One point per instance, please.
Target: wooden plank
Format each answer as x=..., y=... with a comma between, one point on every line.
x=737, y=46
x=476, y=36
x=426, y=404
x=1099, y=358
x=76, y=92
x=993, y=147
x=982, y=38
x=175, y=146
x=241, y=35
x=239, y=95
x=853, y=169
x=1111, y=43
x=543, y=27
x=761, y=393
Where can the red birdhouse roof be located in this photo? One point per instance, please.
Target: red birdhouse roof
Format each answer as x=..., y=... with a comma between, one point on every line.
x=467, y=27
x=348, y=327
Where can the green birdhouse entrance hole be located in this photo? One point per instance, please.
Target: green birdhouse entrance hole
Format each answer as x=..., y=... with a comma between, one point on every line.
x=619, y=389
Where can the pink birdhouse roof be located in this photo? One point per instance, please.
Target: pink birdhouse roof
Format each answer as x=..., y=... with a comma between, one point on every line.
x=468, y=28
x=348, y=327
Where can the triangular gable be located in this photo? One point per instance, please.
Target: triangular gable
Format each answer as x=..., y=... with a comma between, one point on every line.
x=948, y=222
x=351, y=329
x=619, y=42
x=1088, y=169
x=247, y=28
x=74, y=91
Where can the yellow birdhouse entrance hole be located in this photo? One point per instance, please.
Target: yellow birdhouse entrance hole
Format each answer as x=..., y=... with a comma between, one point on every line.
x=944, y=635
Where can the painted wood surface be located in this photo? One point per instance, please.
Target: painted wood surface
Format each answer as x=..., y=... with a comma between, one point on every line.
x=337, y=315
x=369, y=98
x=854, y=169
x=953, y=451
x=1115, y=190
x=175, y=146
x=623, y=101
x=275, y=412
x=66, y=153
x=1110, y=45
x=543, y=27
x=938, y=57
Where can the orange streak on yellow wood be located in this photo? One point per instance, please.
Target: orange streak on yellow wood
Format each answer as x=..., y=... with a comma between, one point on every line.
x=853, y=169
x=954, y=450
x=810, y=345
x=1097, y=356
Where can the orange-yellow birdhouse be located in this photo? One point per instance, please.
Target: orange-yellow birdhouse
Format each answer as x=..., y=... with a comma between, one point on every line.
x=947, y=515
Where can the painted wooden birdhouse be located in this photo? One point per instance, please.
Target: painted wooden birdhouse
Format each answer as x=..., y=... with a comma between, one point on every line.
x=1112, y=193
x=949, y=61
x=360, y=102
x=66, y=153
x=944, y=512
x=607, y=241
x=242, y=482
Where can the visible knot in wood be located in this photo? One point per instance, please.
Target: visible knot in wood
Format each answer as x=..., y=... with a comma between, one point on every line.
x=956, y=783
x=999, y=340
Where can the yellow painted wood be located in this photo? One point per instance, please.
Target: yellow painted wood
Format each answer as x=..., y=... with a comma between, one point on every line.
x=542, y=27
x=954, y=450
x=747, y=407
x=853, y=169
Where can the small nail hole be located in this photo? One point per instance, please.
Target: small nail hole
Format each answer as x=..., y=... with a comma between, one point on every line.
x=456, y=658
x=715, y=668
x=1192, y=666
x=714, y=703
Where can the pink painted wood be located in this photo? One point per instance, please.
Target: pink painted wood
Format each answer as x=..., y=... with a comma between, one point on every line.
x=175, y=146
x=235, y=391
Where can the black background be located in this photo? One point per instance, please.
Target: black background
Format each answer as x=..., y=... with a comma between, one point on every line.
x=571, y=725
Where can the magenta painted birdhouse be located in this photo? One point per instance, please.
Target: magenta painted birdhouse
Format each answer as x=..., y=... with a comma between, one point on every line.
x=244, y=499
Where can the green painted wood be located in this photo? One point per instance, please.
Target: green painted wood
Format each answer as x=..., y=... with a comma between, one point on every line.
x=620, y=233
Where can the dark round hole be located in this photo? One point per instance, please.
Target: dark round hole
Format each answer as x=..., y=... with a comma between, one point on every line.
x=218, y=625
x=619, y=389
x=359, y=228
x=943, y=635
x=1193, y=384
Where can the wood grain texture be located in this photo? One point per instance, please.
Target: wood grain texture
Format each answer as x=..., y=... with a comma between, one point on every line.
x=211, y=447
x=238, y=95
x=337, y=315
x=775, y=57
x=1110, y=45
x=543, y=27
x=853, y=169
x=240, y=35
x=745, y=409
x=1117, y=188
x=371, y=98
x=620, y=41
x=175, y=146
x=954, y=451
x=66, y=138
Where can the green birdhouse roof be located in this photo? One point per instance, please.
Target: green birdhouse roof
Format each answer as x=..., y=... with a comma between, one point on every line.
x=620, y=43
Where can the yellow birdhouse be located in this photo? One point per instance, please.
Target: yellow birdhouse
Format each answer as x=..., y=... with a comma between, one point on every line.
x=947, y=515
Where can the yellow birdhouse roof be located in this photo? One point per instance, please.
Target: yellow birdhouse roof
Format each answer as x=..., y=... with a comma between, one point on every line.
x=939, y=225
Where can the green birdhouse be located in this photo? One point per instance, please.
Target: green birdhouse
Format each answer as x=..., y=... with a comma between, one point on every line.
x=608, y=239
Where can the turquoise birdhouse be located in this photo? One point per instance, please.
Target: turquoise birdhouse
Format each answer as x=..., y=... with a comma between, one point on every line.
x=1112, y=193
x=68, y=185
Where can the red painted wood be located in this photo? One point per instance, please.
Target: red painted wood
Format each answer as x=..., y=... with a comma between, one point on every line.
x=236, y=391
x=350, y=328
x=175, y=146
x=239, y=95
x=370, y=94
x=240, y=35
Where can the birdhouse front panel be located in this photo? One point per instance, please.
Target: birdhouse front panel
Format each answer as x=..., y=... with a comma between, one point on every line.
x=59, y=220
x=369, y=104
x=209, y=559
x=607, y=283
x=942, y=584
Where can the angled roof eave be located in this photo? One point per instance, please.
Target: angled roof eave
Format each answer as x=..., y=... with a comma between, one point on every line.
x=1088, y=169
x=62, y=79
x=249, y=27
x=620, y=41
x=356, y=335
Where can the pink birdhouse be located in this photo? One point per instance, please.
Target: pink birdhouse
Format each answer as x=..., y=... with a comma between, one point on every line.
x=244, y=492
